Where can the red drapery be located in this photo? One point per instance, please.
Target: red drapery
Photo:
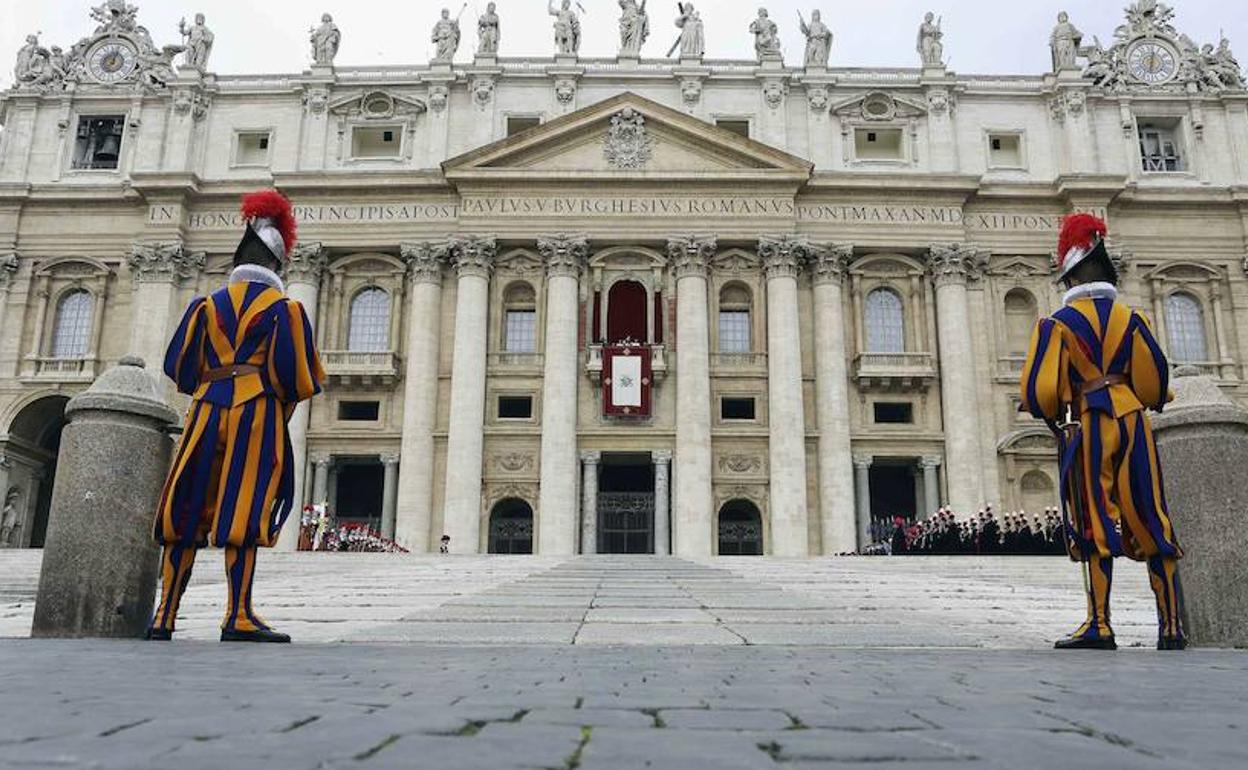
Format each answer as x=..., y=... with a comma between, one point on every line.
x=626, y=312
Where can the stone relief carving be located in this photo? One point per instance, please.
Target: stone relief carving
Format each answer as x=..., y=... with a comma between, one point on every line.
x=445, y=37
x=482, y=91
x=376, y=105
x=691, y=90
x=736, y=262
x=489, y=32
x=168, y=261
x=634, y=28
x=316, y=100
x=325, y=39
x=755, y=493
x=567, y=28
x=930, y=43
x=8, y=269
x=879, y=106
x=437, y=97
x=198, y=40
x=565, y=90
x=194, y=101
x=773, y=93
x=817, y=98
x=627, y=144
x=818, y=39
x=514, y=462
x=740, y=463
x=766, y=37
x=939, y=101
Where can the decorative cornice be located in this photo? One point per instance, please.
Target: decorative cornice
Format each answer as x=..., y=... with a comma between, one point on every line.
x=473, y=255
x=690, y=254
x=829, y=263
x=169, y=262
x=8, y=269
x=782, y=255
x=563, y=254
x=425, y=260
x=307, y=263
x=953, y=263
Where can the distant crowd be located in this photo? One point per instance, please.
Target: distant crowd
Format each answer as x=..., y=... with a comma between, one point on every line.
x=944, y=534
x=319, y=531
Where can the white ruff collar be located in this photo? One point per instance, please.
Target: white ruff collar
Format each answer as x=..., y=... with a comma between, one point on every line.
x=1094, y=290
x=257, y=274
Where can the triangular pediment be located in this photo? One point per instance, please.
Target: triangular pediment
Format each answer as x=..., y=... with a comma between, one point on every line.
x=628, y=136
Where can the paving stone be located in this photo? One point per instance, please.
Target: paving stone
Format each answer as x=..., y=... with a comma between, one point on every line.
x=726, y=719
x=647, y=615
x=654, y=634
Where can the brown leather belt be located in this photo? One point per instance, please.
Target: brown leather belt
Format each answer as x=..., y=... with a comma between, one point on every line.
x=230, y=372
x=1101, y=383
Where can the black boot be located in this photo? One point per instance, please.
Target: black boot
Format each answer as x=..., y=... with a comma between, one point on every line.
x=1086, y=643
x=158, y=635
x=1172, y=643
x=261, y=635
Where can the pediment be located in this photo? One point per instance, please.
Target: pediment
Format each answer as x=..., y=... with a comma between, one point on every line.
x=376, y=105
x=1018, y=268
x=878, y=106
x=628, y=135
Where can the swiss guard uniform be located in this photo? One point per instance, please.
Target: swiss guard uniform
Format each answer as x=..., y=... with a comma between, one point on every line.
x=1095, y=366
x=246, y=356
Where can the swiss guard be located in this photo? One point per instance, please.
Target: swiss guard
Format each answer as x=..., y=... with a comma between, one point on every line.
x=246, y=356
x=1093, y=369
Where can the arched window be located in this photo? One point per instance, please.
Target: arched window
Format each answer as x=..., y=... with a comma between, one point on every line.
x=511, y=527
x=370, y=322
x=71, y=332
x=734, y=319
x=519, y=319
x=1185, y=325
x=627, y=312
x=885, y=322
x=1020, y=318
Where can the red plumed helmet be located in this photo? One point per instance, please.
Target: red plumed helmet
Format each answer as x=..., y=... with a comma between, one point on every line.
x=1081, y=234
x=269, y=213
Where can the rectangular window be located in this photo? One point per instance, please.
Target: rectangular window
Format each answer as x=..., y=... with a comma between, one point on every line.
x=1159, y=146
x=736, y=408
x=359, y=411
x=520, y=334
x=515, y=407
x=878, y=144
x=97, y=145
x=737, y=126
x=894, y=413
x=252, y=149
x=734, y=331
x=375, y=142
x=1005, y=151
x=518, y=124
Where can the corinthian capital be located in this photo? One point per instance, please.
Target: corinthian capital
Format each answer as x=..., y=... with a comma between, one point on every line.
x=830, y=262
x=473, y=255
x=170, y=262
x=307, y=263
x=782, y=255
x=563, y=254
x=8, y=269
x=953, y=263
x=690, y=254
x=425, y=260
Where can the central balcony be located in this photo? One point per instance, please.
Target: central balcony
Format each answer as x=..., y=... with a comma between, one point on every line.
x=362, y=368
x=593, y=361
x=895, y=371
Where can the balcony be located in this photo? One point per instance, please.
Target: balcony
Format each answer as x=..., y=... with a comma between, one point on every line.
x=895, y=371
x=357, y=368
x=516, y=363
x=68, y=370
x=593, y=362
x=1010, y=368
x=738, y=363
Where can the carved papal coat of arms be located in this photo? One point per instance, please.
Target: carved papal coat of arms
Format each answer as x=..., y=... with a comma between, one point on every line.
x=627, y=144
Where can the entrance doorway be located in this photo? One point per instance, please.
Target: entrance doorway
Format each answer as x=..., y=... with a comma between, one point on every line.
x=893, y=494
x=626, y=504
x=740, y=529
x=30, y=452
x=511, y=527
x=358, y=493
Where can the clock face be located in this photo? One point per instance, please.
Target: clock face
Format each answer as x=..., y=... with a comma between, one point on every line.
x=112, y=61
x=1152, y=62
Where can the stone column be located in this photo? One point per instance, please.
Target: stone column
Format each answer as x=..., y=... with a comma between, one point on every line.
x=303, y=283
x=556, y=510
x=389, y=494
x=589, y=502
x=950, y=267
x=106, y=586
x=420, y=394
x=692, y=528
x=836, y=475
x=473, y=259
x=931, y=485
x=862, y=480
x=786, y=424
x=320, y=479
x=157, y=268
x=662, y=502
x=1201, y=435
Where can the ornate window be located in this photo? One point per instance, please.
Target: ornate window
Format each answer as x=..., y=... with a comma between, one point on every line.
x=71, y=332
x=1020, y=318
x=369, y=329
x=519, y=319
x=885, y=322
x=1185, y=325
x=734, y=319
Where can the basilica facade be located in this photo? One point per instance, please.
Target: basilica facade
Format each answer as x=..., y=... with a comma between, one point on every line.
x=623, y=304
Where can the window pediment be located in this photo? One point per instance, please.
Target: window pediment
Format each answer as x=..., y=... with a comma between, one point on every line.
x=878, y=107
x=377, y=105
x=73, y=267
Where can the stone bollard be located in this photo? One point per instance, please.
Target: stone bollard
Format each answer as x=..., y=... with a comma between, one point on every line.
x=99, y=563
x=1202, y=438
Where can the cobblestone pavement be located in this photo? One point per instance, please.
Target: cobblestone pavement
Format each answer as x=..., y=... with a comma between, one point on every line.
x=625, y=663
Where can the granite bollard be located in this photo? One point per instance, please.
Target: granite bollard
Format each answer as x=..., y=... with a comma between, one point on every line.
x=100, y=565
x=1202, y=438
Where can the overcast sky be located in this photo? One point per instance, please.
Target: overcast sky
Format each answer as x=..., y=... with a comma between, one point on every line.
x=270, y=36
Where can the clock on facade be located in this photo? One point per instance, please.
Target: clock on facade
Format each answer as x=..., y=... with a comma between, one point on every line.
x=112, y=61
x=1152, y=62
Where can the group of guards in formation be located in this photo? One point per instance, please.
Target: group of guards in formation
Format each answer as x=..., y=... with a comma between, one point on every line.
x=986, y=533
x=246, y=356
